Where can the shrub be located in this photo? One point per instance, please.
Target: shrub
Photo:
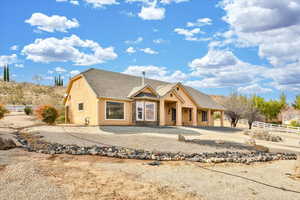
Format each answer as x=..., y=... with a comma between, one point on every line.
x=3, y=111
x=294, y=123
x=28, y=110
x=47, y=114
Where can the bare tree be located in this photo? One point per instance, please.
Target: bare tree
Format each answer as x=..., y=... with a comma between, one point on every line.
x=252, y=113
x=235, y=106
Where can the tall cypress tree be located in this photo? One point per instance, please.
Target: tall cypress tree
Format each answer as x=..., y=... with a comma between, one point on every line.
x=4, y=73
x=7, y=74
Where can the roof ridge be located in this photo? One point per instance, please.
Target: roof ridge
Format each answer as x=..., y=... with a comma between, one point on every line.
x=124, y=74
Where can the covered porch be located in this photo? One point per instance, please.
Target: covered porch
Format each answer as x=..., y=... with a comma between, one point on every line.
x=173, y=113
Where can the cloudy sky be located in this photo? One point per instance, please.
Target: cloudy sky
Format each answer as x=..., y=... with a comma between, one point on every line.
x=252, y=47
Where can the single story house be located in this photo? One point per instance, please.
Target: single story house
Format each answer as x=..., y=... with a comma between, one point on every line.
x=99, y=97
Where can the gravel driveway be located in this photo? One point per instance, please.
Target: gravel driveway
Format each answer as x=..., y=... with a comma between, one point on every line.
x=152, y=139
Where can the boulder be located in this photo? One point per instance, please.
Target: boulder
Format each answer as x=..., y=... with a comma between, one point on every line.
x=6, y=144
x=181, y=138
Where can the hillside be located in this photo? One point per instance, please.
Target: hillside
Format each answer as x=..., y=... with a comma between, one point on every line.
x=30, y=94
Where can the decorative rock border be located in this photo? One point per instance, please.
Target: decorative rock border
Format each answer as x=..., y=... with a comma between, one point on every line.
x=128, y=153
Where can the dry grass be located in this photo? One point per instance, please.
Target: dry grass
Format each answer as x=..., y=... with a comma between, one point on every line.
x=85, y=182
x=28, y=93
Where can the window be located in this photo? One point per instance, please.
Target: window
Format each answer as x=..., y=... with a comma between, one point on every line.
x=173, y=114
x=80, y=106
x=190, y=114
x=114, y=110
x=139, y=110
x=204, y=116
x=150, y=111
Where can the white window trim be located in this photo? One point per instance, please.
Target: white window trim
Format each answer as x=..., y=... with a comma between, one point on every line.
x=143, y=110
x=154, y=119
x=114, y=102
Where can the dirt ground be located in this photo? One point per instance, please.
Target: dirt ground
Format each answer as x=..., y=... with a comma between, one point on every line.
x=35, y=176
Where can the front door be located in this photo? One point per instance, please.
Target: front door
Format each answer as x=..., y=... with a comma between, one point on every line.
x=174, y=114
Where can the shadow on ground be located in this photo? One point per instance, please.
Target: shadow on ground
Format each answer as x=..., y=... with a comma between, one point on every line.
x=220, y=129
x=222, y=144
x=139, y=129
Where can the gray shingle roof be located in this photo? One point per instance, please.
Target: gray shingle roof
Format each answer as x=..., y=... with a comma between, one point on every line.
x=118, y=85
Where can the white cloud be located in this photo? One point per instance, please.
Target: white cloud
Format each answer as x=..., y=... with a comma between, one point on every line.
x=60, y=69
x=156, y=72
x=273, y=28
x=74, y=72
x=149, y=51
x=74, y=2
x=253, y=89
x=137, y=41
x=14, y=48
x=152, y=13
x=221, y=68
x=52, y=23
x=200, y=22
x=130, y=50
x=67, y=49
x=159, y=41
x=173, y=1
x=101, y=3
x=190, y=35
x=19, y=65
x=50, y=71
x=8, y=59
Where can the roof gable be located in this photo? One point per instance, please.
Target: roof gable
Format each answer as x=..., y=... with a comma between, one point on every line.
x=109, y=84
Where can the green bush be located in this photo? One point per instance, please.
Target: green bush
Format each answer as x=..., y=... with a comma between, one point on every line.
x=47, y=114
x=3, y=111
x=295, y=123
x=28, y=110
x=60, y=119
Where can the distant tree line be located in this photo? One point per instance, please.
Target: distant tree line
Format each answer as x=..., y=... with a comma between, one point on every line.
x=255, y=108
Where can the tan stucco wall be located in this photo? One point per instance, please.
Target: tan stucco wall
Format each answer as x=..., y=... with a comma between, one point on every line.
x=80, y=92
x=200, y=122
x=127, y=114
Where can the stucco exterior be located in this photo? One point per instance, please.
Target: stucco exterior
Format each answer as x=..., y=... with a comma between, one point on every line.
x=173, y=107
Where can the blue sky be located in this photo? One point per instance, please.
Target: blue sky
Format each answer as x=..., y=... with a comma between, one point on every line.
x=215, y=46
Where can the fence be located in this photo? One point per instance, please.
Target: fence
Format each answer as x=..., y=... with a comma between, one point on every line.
x=17, y=108
x=274, y=127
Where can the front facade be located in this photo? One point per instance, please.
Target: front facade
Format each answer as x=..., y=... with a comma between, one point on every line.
x=98, y=97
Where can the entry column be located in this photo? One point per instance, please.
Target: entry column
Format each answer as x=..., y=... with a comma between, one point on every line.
x=162, y=113
x=194, y=116
x=222, y=119
x=178, y=114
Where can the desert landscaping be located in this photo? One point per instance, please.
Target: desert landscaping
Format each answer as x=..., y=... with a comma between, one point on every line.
x=26, y=174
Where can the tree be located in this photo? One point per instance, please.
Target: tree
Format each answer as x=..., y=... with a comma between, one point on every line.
x=58, y=81
x=6, y=73
x=296, y=103
x=252, y=113
x=235, y=106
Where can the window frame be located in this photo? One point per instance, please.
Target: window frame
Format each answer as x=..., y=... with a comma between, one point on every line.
x=79, y=105
x=206, y=116
x=105, y=108
x=137, y=112
x=154, y=107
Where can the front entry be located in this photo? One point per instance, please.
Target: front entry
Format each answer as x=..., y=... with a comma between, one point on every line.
x=174, y=115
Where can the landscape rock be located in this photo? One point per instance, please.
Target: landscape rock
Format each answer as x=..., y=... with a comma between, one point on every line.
x=261, y=155
x=6, y=144
x=181, y=138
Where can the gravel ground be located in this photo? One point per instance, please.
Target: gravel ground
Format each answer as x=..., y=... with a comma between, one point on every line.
x=21, y=179
x=37, y=176
x=145, y=141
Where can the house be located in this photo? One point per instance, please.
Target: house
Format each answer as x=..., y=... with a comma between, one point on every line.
x=290, y=114
x=99, y=97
